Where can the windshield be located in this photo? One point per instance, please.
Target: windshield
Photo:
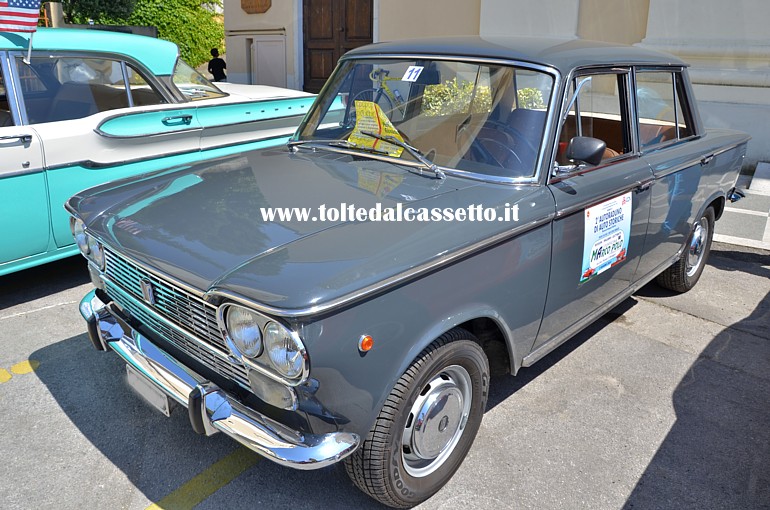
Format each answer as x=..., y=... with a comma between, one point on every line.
x=480, y=118
x=193, y=84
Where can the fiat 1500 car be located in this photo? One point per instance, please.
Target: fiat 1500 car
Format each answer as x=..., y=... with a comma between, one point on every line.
x=85, y=107
x=448, y=210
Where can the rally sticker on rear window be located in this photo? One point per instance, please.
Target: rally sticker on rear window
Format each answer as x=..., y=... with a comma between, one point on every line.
x=607, y=231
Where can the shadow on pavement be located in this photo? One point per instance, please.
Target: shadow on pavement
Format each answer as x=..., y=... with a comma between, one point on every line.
x=717, y=454
x=502, y=387
x=159, y=454
x=42, y=281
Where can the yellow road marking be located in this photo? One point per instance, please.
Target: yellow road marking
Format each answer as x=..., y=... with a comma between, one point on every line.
x=5, y=376
x=208, y=482
x=25, y=367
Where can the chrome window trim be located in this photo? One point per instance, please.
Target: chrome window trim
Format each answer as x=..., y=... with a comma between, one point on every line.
x=543, y=147
x=12, y=86
x=694, y=125
x=151, y=79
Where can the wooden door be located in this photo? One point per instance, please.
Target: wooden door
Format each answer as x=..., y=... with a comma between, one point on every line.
x=330, y=28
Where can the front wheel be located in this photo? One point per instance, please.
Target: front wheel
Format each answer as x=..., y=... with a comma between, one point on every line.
x=685, y=272
x=427, y=424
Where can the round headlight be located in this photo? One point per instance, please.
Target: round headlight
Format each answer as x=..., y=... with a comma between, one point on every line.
x=243, y=329
x=96, y=252
x=285, y=351
x=79, y=233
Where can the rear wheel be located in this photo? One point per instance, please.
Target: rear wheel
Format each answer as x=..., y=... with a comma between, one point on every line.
x=685, y=272
x=427, y=424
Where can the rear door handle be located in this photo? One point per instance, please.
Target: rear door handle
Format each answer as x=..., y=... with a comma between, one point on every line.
x=643, y=186
x=705, y=160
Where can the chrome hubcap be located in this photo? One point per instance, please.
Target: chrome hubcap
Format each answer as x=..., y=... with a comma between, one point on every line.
x=697, y=246
x=436, y=421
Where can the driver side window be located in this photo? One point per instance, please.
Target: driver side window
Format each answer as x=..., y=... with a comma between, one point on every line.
x=599, y=111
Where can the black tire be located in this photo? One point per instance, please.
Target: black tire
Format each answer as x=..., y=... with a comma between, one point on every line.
x=685, y=272
x=401, y=475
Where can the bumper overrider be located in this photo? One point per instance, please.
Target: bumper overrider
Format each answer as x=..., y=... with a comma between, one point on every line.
x=210, y=408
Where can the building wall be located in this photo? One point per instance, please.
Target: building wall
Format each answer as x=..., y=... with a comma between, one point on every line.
x=283, y=21
x=726, y=43
x=406, y=19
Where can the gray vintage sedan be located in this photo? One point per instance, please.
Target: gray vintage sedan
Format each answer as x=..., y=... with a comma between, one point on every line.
x=448, y=210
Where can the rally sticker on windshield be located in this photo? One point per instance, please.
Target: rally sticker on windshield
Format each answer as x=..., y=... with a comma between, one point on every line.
x=607, y=232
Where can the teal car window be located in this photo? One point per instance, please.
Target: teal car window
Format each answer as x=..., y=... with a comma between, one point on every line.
x=69, y=88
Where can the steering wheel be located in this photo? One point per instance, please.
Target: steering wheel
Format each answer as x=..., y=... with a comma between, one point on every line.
x=518, y=137
x=482, y=152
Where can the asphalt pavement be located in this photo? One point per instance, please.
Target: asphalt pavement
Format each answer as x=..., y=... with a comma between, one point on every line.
x=663, y=403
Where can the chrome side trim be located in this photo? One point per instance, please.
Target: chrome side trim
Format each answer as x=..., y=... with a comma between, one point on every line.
x=212, y=407
x=17, y=173
x=381, y=286
x=95, y=165
x=275, y=120
x=601, y=198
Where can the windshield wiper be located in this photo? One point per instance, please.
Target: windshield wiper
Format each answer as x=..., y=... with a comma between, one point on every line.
x=411, y=149
x=345, y=144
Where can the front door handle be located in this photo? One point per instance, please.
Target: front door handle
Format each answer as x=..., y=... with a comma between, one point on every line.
x=179, y=120
x=705, y=160
x=25, y=139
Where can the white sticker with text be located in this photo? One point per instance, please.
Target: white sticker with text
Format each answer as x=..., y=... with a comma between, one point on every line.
x=412, y=73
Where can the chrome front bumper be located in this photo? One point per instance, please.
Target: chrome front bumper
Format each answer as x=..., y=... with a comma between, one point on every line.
x=211, y=409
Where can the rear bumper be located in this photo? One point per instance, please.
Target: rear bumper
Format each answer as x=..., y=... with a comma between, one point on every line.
x=211, y=409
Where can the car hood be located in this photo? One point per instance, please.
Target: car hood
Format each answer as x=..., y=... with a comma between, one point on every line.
x=204, y=225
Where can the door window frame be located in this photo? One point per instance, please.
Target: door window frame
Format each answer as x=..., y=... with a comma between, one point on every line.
x=628, y=123
x=12, y=75
x=683, y=99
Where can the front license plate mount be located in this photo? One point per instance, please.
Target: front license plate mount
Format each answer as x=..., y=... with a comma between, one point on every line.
x=148, y=391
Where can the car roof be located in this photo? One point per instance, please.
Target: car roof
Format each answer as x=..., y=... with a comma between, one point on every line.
x=563, y=54
x=157, y=55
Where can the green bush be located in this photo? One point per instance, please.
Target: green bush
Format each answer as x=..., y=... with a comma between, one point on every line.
x=452, y=97
x=191, y=24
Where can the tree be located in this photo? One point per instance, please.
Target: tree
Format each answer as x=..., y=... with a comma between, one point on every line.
x=100, y=11
x=191, y=24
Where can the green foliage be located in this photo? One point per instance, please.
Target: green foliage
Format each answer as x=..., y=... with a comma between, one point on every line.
x=81, y=11
x=191, y=24
x=452, y=97
x=531, y=98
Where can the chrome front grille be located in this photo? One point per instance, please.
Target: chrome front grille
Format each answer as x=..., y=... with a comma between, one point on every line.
x=180, y=317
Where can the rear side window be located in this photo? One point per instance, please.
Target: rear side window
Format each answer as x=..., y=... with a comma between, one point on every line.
x=662, y=118
x=70, y=88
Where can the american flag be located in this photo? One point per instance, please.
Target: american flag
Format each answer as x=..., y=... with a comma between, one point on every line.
x=19, y=15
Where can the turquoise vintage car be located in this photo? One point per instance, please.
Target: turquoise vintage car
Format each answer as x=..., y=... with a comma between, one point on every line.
x=93, y=106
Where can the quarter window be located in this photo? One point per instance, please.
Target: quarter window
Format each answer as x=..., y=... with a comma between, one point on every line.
x=660, y=112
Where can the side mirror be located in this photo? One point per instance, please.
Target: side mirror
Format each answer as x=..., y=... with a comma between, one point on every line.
x=586, y=149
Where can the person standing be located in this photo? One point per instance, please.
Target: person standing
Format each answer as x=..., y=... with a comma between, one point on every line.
x=217, y=66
